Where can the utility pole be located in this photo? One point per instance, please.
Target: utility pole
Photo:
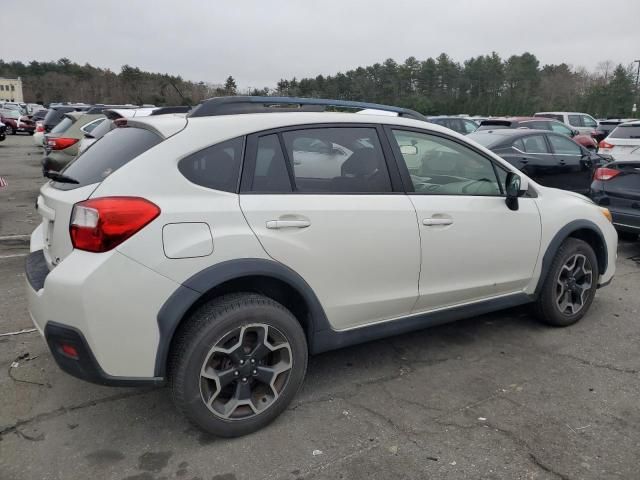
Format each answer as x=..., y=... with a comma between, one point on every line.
x=635, y=105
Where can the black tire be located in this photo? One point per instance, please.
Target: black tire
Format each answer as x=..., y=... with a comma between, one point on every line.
x=212, y=324
x=10, y=130
x=547, y=306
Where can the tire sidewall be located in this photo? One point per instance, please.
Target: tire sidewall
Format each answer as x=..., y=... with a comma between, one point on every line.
x=569, y=248
x=211, y=332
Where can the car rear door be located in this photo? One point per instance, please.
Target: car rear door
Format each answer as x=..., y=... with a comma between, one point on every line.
x=533, y=156
x=323, y=201
x=575, y=168
x=473, y=246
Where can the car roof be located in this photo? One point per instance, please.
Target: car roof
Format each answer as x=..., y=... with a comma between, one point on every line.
x=513, y=132
x=632, y=123
x=222, y=127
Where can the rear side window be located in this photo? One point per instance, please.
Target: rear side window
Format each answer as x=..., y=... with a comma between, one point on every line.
x=216, y=167
x=626, y=131
x=108, y=155
x=271, y=175
x=535, y=144
x=337, y=160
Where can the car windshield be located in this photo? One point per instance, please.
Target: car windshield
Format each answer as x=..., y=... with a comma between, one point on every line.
x=10, y=113
x=626, y=131
x=486, y=139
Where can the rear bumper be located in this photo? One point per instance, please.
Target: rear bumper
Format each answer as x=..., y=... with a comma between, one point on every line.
x=105, y=306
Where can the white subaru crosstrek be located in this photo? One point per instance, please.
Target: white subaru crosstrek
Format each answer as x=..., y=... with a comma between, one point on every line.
x=215, y=251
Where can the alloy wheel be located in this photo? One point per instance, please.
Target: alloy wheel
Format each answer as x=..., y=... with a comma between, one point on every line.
x=244, y=373
x=573, y=285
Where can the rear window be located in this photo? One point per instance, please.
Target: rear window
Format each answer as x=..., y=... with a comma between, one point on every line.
x=486, y=139
x=626, y=131
x=54, y=115
x=65, y=123
x=106, y=156
x=492, y=126
x=550, y=115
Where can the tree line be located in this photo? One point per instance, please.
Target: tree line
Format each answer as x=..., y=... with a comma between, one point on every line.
x=483, y=85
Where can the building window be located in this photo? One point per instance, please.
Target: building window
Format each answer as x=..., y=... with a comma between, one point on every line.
x=1, y=88
x=13, y=88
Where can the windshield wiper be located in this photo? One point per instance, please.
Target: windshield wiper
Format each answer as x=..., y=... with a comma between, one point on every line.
x=59, y=177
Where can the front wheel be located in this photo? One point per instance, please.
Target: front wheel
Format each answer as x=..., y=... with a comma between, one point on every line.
x=570, y=285
x=237, y=363
x=10, y=130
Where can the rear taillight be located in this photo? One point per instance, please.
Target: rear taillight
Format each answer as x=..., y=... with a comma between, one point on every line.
x=61, y=143
x=101, y=224
x=605, y=144
x=604, y=174
x=39, y=127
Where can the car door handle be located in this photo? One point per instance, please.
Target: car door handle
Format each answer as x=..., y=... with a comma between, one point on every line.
x=277, y=224
x=437, y=221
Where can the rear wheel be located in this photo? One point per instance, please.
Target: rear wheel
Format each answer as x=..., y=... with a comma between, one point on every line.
x=570, y=286
x=237, y=364
x=10, y=130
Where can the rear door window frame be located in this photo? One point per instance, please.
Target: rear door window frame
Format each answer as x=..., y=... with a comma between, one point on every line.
x=249, y=165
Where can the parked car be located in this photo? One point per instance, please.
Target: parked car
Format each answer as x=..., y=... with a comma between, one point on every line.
x=90, y=137
x=61, y=144
x=56, y=112
x=549, y=158
x=606, y=126
x=584, y=123
x=13, y=106
x=539, y=123
x=457, y=124
x=617, y=187
x=3, y=130
x=213, y=252
x=623, y=143
x=15, y=122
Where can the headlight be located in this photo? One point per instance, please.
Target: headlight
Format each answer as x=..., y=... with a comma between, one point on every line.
x=606, y=213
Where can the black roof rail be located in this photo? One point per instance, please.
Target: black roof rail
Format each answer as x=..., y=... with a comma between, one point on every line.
x=248, y=104
x=176, y=109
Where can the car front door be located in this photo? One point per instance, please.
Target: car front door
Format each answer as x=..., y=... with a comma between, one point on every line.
x=473, y=246
x=575, y=166
x=323, y=202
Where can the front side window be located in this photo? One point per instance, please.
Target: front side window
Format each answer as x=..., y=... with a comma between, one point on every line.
x=564, y=146
x=535, y=144
x=216, y=167
x=439, y=166
x=587, y=121
x=575, y=120
x=470, y=126
x=337, y=160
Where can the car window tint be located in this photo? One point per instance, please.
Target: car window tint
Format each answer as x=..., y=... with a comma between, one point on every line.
x=439, y=166
x=216, y=167
x=563, y=145
x=270, y=175
x=560, y=128
x=337, y=160
x=575, y=120
x=626, y=131
x=535, y=144
x=116, y=149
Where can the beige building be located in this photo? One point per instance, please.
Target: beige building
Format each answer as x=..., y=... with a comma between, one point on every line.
x=11, y=90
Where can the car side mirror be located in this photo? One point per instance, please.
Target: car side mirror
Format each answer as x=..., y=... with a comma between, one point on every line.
x=516, y=186
x=574, y=132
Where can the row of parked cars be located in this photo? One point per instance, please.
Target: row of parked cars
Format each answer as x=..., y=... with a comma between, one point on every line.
x=567, y=150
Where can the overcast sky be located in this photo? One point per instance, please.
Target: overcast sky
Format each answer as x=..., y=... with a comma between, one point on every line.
x=261, y=41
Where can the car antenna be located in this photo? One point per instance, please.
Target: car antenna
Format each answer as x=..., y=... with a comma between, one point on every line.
x=179, y=93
